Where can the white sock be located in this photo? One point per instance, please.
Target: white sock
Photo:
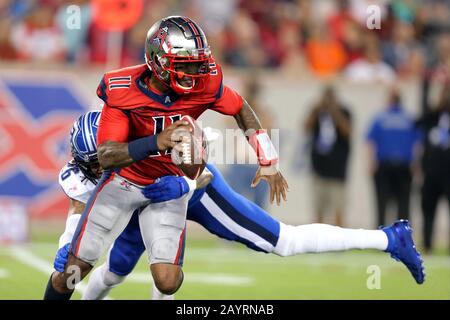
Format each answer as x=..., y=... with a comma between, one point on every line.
x=101, y=282
x=158, y=295
x=71, y=226
x=323, y=238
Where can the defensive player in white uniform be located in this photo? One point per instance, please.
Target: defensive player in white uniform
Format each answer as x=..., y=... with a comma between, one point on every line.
x=217, y=208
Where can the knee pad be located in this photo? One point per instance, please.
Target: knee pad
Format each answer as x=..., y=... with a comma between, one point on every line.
x=163, y=250
x=91, y=247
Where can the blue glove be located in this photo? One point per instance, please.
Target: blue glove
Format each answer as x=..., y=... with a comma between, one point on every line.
x=166, y=188
x=61, y=258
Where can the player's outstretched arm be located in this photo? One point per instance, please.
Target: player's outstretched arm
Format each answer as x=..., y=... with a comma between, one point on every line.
x=265, y=151
x=113, y=154
x=76, y=208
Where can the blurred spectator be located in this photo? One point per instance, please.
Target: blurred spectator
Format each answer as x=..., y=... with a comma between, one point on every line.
x=6, y=49
x=98, y=44
x=403, y=52
x=370, y=68
x=359, y=9
x=330, y=126
x=435, y=162
x=392, y=138
x=213, y=15
x=243, y=45
x=440, y=67
x=135, y=42
x=432, y=29
x=292, y=57
x=432, y=19
x=388, y=23
x=19, y=8
x=325, y=54
x=75, y=38
x=38, y=37
x=330, y=36
x=347, y=31
x=338, y=21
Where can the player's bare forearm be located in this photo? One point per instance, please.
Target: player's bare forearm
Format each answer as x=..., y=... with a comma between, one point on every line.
x=247, y=119
x=112, y=154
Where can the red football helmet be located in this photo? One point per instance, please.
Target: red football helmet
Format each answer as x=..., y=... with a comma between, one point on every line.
x=177, y=52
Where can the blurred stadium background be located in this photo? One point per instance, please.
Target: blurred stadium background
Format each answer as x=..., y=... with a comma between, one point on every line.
x=279, y=55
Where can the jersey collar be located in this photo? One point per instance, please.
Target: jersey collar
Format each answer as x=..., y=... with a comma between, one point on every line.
x=165, y=99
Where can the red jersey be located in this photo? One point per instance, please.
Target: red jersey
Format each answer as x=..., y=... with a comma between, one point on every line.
x=132, y=111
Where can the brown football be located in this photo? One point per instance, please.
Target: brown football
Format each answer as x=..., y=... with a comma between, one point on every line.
x=191, y=154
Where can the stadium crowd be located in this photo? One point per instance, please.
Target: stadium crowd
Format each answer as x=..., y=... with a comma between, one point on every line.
x=323, y=37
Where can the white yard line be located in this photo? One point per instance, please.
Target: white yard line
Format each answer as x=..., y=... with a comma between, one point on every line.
x=198, y=277
x=25, y=256
x=28, y=258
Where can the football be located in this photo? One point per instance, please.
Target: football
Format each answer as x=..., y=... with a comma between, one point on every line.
x=191, y=153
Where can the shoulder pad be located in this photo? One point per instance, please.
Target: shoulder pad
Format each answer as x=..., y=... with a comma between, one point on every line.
x=74, y=184
x=116, y=86
x=214, y=86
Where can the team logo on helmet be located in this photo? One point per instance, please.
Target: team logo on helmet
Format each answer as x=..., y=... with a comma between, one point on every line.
x=160, y=37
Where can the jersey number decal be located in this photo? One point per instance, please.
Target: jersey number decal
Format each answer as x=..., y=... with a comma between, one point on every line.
x=68, y=172
x=159, y=123
x=213, y=69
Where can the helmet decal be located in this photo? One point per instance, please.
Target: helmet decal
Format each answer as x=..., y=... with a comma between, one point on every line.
x=161, y=36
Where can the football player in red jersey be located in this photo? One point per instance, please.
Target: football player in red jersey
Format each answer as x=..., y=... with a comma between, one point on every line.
x=143, y=105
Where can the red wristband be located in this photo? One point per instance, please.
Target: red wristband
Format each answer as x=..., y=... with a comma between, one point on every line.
x=265, y=150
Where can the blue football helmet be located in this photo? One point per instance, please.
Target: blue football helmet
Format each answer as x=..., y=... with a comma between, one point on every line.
x=83, y=143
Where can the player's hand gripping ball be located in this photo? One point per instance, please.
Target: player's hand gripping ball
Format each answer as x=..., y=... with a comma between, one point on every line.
x=191, y=153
